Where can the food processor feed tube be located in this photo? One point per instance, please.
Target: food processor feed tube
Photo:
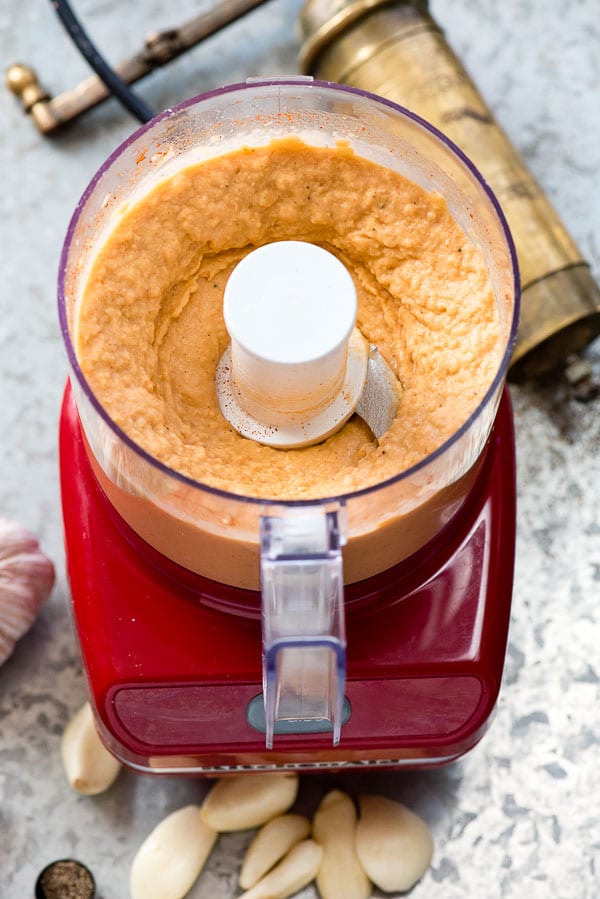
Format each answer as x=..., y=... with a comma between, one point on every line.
x=285, y=390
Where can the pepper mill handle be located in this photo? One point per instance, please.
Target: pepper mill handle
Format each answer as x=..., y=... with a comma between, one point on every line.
x=24, y=83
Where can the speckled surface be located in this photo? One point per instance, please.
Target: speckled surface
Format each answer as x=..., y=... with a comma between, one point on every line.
x=519, y=815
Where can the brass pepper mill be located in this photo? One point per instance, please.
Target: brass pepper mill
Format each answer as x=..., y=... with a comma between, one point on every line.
x=396, y=50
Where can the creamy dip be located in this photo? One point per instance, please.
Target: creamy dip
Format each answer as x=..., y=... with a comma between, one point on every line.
x=150, y=329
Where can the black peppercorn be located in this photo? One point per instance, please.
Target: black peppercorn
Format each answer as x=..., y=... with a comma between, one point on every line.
x=65, y=879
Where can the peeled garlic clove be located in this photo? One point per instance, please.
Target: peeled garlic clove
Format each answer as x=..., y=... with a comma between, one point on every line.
x=26, y=579
x=334, y=827
x=172, y=856
x=243, y=801
x=270, y=844
x=296, y=871
x=89, y=766
x=393, y=844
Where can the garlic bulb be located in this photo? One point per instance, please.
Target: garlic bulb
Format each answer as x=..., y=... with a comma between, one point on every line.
x=26, y=579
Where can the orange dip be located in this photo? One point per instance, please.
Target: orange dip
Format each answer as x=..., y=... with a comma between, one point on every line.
x=150, y=330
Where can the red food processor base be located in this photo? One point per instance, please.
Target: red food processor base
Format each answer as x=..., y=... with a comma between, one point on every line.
x=175, y=679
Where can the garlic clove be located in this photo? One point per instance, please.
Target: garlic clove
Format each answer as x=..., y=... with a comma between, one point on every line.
x=271, y=843
x=243, y=801
x=334, y=827
x=26, y=579
x=89, y=766
x=294, y=872
x=172, y=856
x=393, y=844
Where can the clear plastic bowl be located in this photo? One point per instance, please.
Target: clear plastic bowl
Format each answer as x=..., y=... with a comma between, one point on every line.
x=210, y=531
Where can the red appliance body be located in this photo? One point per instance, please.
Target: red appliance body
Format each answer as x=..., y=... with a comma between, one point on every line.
x=173, y=660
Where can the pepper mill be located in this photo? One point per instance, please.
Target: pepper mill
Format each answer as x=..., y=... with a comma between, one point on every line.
x=397, y=50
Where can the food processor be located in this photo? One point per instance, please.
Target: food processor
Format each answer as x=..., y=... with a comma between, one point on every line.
x=226, y=633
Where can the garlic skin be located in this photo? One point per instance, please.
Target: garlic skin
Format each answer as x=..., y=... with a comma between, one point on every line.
x=89, y=766
x=26, y=579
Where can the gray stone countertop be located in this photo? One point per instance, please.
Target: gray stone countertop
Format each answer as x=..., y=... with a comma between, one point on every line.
x=519, y=815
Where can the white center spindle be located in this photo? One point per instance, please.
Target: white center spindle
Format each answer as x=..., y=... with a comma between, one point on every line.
x=295, y=370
